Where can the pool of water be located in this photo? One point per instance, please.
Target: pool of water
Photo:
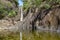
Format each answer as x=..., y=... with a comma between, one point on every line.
x=30, y=36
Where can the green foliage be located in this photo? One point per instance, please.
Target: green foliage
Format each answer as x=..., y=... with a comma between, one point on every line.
x=8, y=8
x=58, y=1
x=45, y=3
x=37, y=2
x=47, y=6
x=12, y=13
x=26, y=4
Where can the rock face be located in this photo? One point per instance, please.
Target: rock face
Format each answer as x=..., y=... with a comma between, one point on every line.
x=45, y=20
x=51, y=20
x=35, y=18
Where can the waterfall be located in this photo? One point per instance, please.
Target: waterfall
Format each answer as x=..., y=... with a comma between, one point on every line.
x=21, y=19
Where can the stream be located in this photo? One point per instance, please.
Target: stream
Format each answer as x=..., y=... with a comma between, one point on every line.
x=36, y=35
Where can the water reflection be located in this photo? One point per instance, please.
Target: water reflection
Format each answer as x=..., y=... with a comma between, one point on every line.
x=41, y=36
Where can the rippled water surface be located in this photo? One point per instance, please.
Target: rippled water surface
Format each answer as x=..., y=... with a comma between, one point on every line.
x=42, y=36
x=31, y=36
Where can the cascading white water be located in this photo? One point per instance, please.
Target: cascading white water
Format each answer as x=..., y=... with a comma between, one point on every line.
x=21, y=19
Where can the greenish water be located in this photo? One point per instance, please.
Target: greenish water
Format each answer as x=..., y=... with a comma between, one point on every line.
x=42, y=36
x=31, y=36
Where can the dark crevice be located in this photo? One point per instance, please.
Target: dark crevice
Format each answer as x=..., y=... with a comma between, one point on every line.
x=44, y=13
x=33, y=27
x=58, y=21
